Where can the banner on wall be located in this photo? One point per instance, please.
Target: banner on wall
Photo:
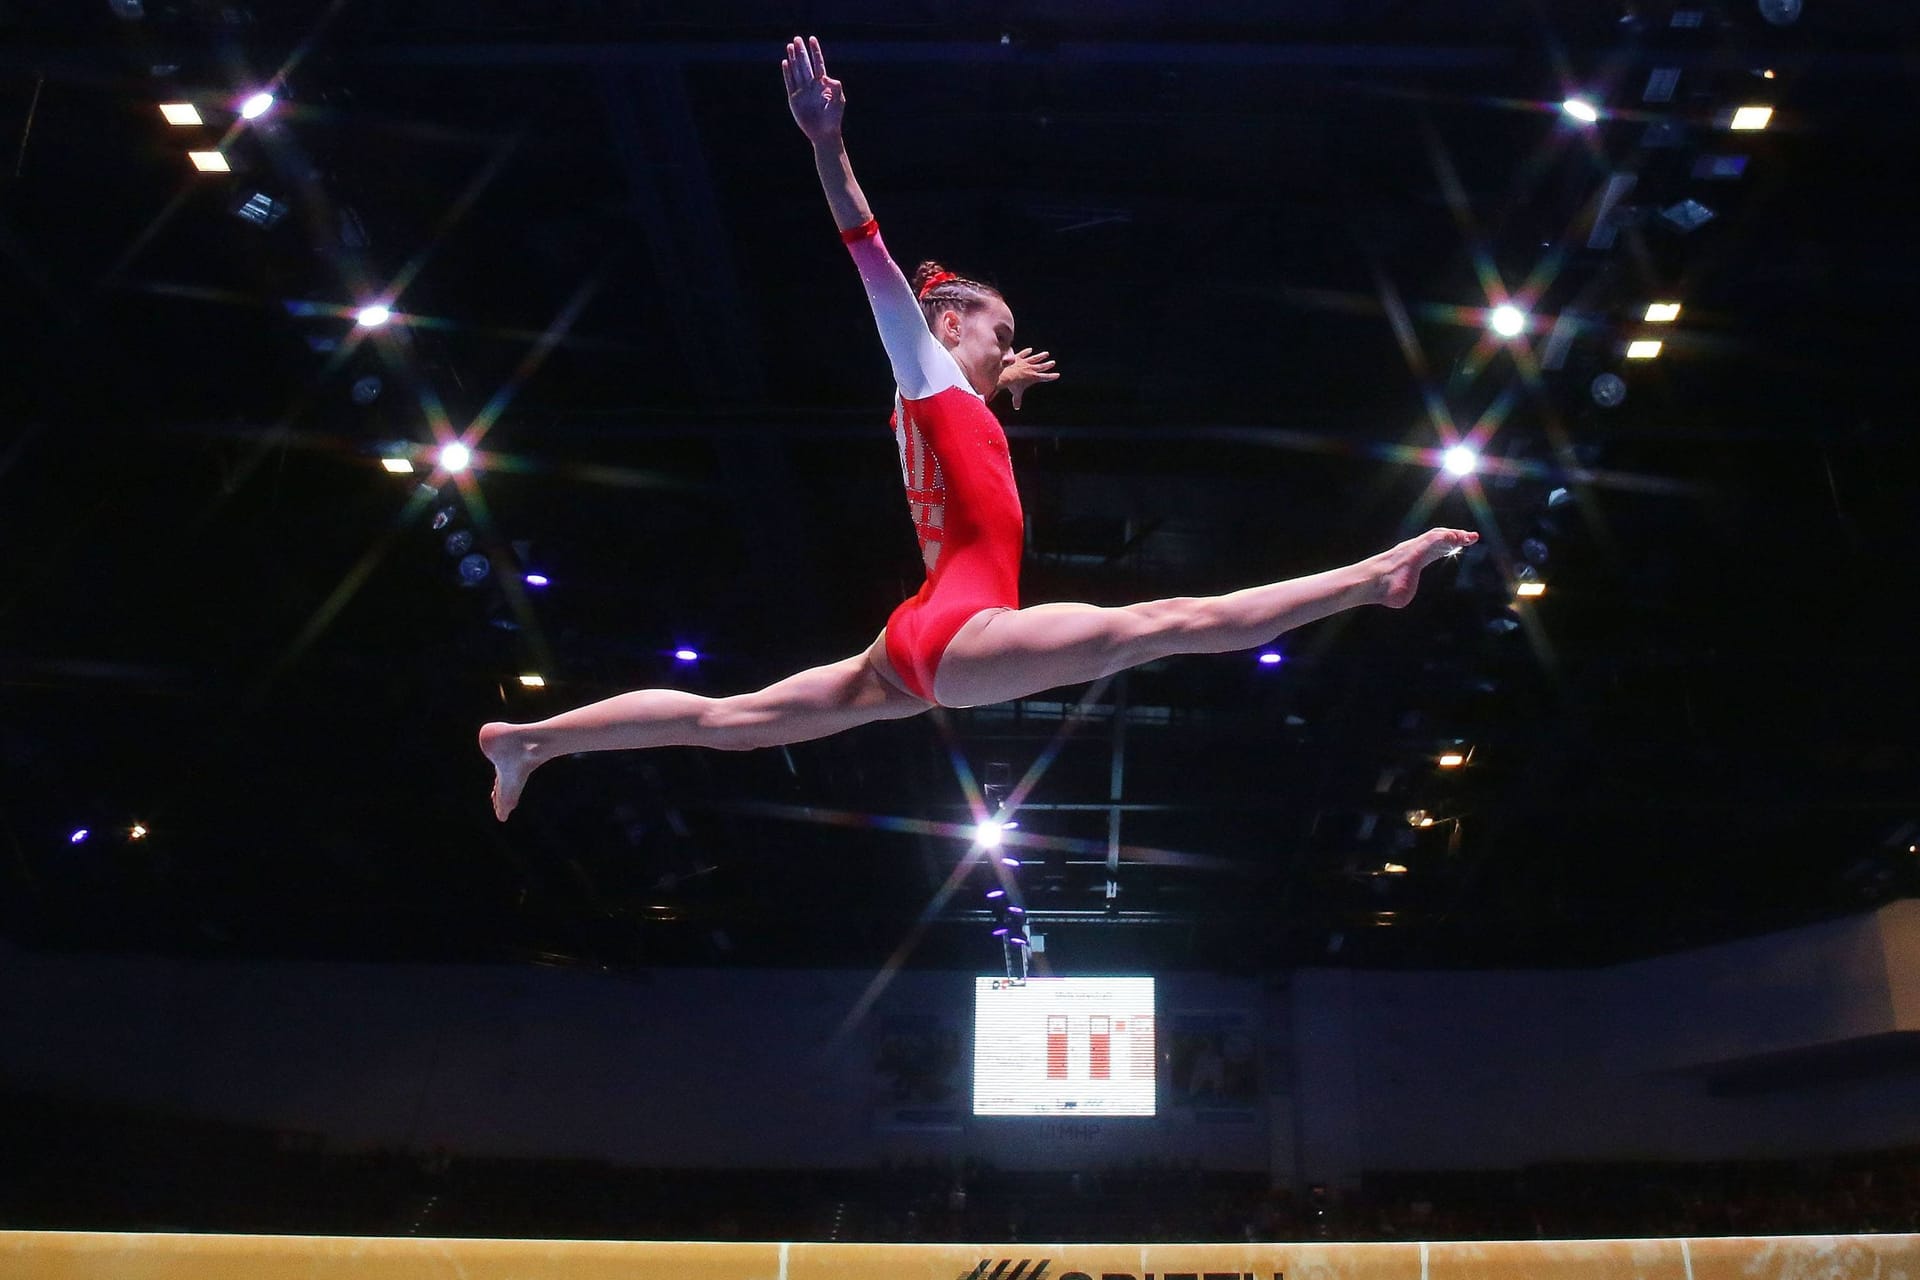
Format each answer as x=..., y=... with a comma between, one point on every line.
x=1213, y=1065
x=918, y=1072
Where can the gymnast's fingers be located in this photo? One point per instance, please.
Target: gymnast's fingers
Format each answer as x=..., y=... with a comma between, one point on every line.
x=802, y=64
x=819, y=58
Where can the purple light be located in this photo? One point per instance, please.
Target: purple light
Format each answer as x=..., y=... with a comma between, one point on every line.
x=79, y=837
x=1017, y=940
x=1001, y=932
x=1010, y=862
x=1269, y=659
x=1016, y=910
x=996, y=893
x=686, y=655
x=536, y=579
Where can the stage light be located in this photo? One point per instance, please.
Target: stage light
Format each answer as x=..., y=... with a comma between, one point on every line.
x=474, y=569
x=1415, y=816
x=996, y=893
x=180, y=113
x=537, y=580
x=1767, y=74
x=137, y=832
x=1751, y=119
x=1015, y=909
x=261, y=209
x=1608, y=390
x=1019, y=940
x=209, y=162
x=1530, y=590
x=455, y=457
x=398, y=466
x=1507, y=320
x=1460, y=460
x=372, y=317
x=532, y=681
x=685, y=655
x=1662, y=312
x=1009, y=861
x=1269, y=659
x=1393, y=869
x=79, y=837
x=256, y=106
x=1687, y=215
x=1781, y=13
x=1452, y=760
x=987, y=835
x=1643, y=349
x=1580, y=109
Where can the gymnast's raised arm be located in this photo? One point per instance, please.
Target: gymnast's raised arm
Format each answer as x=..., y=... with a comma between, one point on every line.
x=921, y=366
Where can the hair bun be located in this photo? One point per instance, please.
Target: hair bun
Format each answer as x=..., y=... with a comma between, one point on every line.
x=925, y=272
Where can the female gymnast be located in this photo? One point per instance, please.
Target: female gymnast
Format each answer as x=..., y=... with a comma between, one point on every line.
x=963, y=639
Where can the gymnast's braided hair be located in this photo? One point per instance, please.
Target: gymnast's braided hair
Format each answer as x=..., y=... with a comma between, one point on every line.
x=942, y=290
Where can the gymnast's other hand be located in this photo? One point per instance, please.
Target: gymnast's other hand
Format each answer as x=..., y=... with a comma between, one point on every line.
x=817, y=102
x=1024, y=368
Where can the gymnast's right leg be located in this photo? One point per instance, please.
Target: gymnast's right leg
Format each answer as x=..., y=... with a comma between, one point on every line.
x=813, y=704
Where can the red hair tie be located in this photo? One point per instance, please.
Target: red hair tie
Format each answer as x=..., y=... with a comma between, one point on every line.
x=934, y=281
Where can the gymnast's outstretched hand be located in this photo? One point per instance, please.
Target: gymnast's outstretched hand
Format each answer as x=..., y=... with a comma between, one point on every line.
x=817, y=102
x=1026, y=368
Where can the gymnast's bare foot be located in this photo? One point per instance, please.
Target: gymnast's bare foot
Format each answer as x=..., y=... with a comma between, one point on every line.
x=1399, y=569
x=514, y=756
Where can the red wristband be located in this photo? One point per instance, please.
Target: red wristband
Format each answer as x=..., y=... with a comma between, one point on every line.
x=867, y=229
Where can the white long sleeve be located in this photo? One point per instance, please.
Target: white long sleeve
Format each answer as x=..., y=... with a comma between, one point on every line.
x=921, y=366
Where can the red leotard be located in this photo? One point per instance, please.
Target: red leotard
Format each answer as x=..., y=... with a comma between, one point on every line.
x=960, y=489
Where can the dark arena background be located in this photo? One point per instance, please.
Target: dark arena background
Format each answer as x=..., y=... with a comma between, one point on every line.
x=426, y=363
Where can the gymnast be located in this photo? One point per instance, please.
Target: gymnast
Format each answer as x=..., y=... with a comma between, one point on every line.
x=963, y=639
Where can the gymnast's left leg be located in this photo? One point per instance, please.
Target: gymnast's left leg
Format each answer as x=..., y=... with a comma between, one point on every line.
x=1013, y=653
x=812, y=704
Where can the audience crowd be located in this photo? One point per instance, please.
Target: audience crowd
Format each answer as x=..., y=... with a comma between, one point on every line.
x=81, y=1166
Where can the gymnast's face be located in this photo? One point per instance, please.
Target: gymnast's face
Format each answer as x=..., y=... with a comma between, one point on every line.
x=981, y=340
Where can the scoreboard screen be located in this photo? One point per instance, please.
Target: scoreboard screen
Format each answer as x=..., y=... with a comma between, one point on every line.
x=1063, y=1047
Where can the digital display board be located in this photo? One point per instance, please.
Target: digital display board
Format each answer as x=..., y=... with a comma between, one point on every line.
x=1063, y=1047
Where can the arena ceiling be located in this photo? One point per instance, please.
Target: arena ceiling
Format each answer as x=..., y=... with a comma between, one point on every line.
x=1261, y=246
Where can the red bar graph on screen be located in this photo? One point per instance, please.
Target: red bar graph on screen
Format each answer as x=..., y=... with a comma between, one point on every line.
x=1057, y=1048
x=1100, y=1056
x=1143, y=1052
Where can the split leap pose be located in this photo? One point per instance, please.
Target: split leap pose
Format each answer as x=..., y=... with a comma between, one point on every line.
x=963, y=639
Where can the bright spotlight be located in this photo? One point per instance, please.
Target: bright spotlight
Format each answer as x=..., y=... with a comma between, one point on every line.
x=1751, y=119
x=1530, y=590
x=1580, y=109
x=79, y=837
x=996, y=893
x=1452, y=760
x=1662, y=312
x=1460, y=461
x=533, y=681
x=1009, y=861
x=398, y=466
x=256, y=106
x=537, y=579
x=1393, y=869
x=987, y=835
x=456, y=457
x=373, y=317
x=1507, y=320
x=209, y=162
x=137, y=831
x=1643, y=349
x=182, y=113
x=1269, y=659
x=685, y=655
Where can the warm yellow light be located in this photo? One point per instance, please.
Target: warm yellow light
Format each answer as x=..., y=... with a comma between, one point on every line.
x=1452, y=760
x=1416, y=816
x=137, y=833
x=1529, y=590
x=1426, y=822
x=399, y=466
x=1662, y=312
x=533, y=681
x=1768, y=73
x=180, y=113
x=1751, y=118
x=209, y=162
x=1394, y=869
x=1644, y=349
